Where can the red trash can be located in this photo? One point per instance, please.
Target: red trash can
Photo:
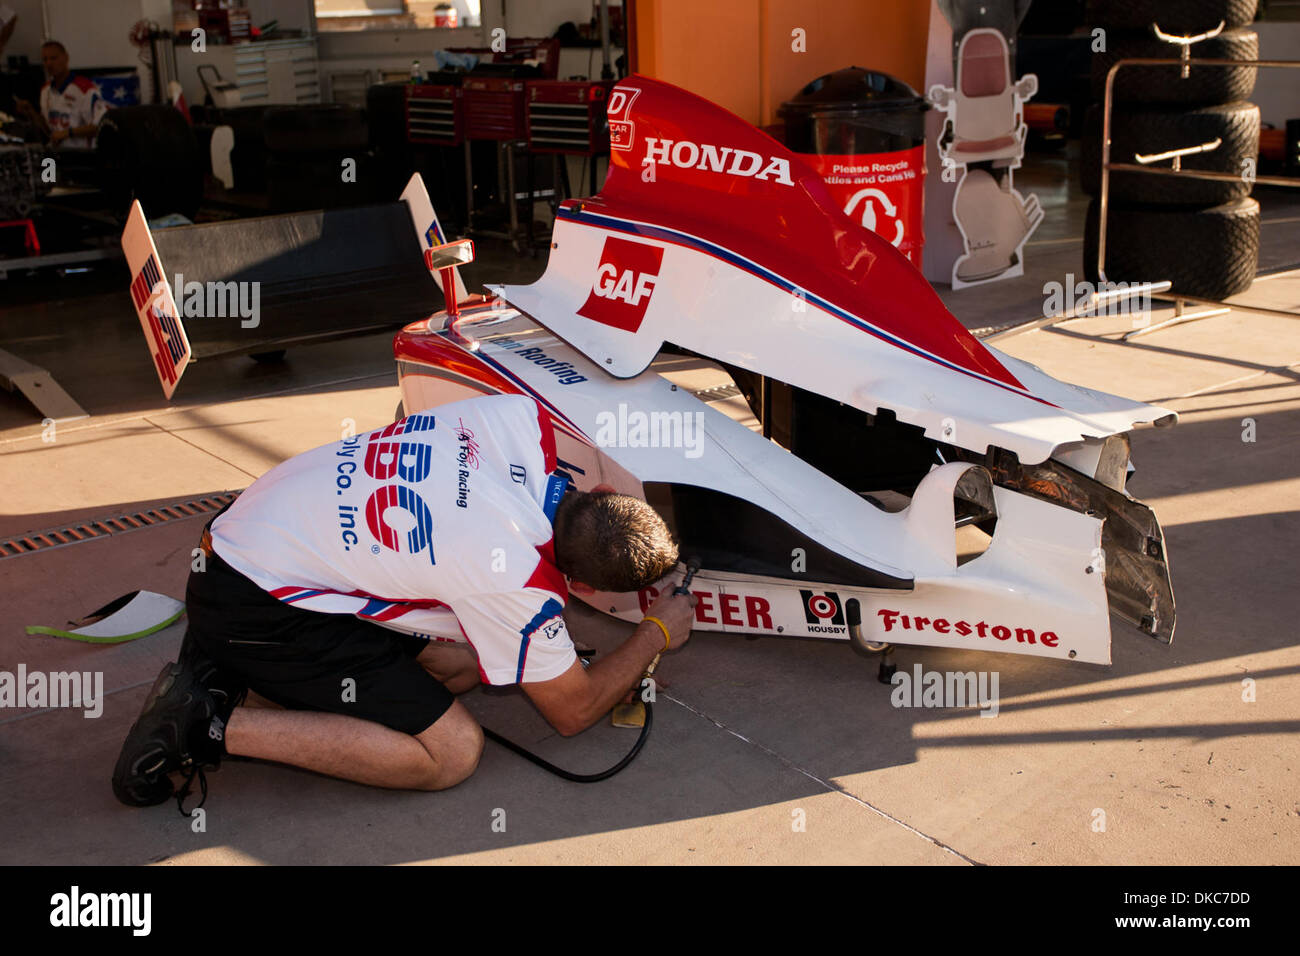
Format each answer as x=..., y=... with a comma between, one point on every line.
x=864, y=131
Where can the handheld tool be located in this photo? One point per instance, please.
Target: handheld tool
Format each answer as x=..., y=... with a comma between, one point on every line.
x=639, y=711
x=633, y=713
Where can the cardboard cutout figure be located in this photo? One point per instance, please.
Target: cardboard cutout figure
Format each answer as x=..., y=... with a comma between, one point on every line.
x=983, y=140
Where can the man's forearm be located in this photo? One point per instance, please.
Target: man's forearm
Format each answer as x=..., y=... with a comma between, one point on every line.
x=613, y=676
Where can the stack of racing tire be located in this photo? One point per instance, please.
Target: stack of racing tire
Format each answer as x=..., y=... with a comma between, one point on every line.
x=1201, y=234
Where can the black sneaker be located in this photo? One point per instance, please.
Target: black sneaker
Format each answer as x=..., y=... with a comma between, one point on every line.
x=226, y=688
x=171, y=733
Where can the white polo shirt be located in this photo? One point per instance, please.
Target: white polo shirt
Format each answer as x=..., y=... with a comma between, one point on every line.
x=437, y=525
x=78, y=103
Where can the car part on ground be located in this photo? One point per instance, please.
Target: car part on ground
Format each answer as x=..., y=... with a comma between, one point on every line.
x=639, y=276
x=747, y=506
x=963, y=547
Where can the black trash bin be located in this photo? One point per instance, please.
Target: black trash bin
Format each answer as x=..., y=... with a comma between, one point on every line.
x=864, y=132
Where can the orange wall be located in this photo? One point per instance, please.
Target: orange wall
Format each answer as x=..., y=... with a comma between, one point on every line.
x=709, y=47
x=738, y=52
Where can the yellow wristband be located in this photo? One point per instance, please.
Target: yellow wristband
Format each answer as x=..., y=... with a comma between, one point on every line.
x=662, y=626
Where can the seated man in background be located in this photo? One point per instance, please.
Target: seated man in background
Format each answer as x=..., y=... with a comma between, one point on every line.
x=71, y=106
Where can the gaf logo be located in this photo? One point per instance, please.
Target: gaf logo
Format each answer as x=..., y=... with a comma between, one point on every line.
x=624, y=284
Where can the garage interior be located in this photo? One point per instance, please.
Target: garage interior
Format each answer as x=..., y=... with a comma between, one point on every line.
x=1190, y=767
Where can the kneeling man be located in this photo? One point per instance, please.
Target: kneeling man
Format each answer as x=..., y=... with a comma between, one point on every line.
x=362, y=585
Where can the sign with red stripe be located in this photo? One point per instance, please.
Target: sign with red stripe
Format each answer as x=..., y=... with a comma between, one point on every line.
x=154, y=304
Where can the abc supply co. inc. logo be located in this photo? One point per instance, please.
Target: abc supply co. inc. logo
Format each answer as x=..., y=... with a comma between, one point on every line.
x=407, y=461
x=625, y=282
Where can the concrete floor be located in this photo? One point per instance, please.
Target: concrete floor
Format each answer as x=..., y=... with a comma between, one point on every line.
x=752, y=736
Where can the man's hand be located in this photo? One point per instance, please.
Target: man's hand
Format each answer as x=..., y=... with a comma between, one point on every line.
x=579, y=697
x=677, y=611
x=58, y=135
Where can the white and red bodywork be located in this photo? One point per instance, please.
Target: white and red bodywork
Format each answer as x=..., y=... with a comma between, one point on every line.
x=1033, y=576
x=713, y=237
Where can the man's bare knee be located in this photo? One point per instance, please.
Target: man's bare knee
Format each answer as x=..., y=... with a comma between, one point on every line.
x=454, y=744
x=455, y=764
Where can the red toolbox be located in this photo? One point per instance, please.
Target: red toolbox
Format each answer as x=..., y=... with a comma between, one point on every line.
x=435, y=114
x=232, y=25
x=494, y=108
x=568, y=116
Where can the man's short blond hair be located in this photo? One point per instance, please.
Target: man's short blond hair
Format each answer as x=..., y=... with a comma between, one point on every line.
x=612, y=542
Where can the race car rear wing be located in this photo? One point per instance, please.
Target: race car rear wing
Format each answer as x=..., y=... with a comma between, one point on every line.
x=252, y=285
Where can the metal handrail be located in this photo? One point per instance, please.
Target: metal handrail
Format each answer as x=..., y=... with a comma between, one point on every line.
x=1107, y=166
x=1177, y=154
x=1185, y=54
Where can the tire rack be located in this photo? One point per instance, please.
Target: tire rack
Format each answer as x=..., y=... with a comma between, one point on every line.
x=1158, y=290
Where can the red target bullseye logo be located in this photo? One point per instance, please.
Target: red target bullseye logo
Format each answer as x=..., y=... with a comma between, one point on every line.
x=822, y=608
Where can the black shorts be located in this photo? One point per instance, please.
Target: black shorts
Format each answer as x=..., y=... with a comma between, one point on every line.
x=300, y=659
